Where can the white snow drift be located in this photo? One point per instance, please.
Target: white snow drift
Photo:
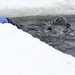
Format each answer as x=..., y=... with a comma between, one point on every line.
x=13, y=8
x=21, y=54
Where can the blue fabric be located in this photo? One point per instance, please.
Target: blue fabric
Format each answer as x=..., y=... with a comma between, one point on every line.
x=5, y=20
x=9, y=20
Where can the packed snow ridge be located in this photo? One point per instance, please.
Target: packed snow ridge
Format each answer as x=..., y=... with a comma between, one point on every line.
x=14, y=8
x=22, y=54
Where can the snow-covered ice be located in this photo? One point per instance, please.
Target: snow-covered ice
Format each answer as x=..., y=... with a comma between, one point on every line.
x=22, y=54
x=14, y=8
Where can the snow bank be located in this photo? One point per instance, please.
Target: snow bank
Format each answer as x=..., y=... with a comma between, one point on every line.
x=14, y=8
x=21, y=54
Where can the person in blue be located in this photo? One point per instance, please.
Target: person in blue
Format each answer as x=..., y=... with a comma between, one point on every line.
x=5, y=20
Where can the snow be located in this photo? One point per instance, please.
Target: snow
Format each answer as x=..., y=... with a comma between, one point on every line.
x=21, y=54
x=12, y=8
x=32, y=3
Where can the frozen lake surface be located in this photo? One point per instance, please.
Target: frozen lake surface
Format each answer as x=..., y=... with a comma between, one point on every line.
x=14, y=8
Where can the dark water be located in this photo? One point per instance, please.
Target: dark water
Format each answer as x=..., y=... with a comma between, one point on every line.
x=40, y=27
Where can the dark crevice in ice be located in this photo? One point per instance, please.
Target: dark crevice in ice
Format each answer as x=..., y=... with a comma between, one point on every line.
x=57, y=32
